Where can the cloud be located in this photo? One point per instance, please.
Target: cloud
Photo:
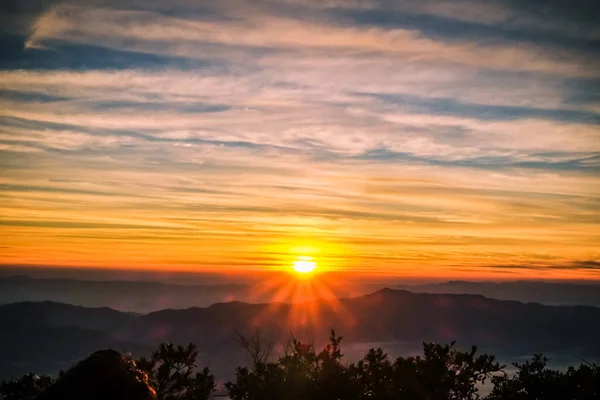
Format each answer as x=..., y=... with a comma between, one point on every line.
x=589, y=265
x=158, y=34
x=219, y=107
x=407, y=136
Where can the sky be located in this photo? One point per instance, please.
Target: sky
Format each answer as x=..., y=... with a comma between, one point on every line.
x=397, y=138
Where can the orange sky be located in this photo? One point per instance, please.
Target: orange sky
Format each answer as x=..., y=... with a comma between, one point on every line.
x=243, y=138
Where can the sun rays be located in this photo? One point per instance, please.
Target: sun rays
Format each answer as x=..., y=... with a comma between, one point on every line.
x=305, y=288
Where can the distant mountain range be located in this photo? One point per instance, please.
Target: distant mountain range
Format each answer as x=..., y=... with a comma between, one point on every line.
x=144, y=297
x=46, y=336
x=550, y=293
x=141, y=297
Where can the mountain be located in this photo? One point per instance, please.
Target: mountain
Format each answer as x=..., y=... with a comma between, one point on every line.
x=387, y=316
x=549, y=293
x=46, y=337
x=49, y=313
x=145, y=297
x=390, y=316
x=140, y=297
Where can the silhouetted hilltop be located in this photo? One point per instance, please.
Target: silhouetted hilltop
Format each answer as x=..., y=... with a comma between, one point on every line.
x=50, y=313
x=120, y=295
x=549, y=293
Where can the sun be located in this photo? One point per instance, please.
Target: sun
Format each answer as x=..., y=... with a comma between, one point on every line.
x=304, y=265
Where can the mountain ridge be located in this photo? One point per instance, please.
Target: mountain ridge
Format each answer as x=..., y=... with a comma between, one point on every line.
x=388, y=315
x=547, y=293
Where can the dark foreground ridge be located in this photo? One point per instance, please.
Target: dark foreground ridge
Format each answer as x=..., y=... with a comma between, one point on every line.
x=105, y=374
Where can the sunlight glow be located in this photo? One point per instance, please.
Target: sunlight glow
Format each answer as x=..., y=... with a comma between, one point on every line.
x=304, y=265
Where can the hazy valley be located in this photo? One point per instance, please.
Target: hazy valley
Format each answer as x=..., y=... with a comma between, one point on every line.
x=47, y=336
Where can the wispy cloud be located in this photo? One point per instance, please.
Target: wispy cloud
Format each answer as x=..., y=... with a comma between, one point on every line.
x=259, y=32
x=403, y=137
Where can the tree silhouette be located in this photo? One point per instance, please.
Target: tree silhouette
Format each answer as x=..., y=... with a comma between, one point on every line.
x=28, y=387
x=300, y=373
x=172, y=373
x=442, y=373
x=534, y=380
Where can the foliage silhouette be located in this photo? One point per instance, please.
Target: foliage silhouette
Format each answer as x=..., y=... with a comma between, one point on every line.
x=302, y=373
x=442, y=372
x=172, y=373
x=534, y=380
x=28, y=387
